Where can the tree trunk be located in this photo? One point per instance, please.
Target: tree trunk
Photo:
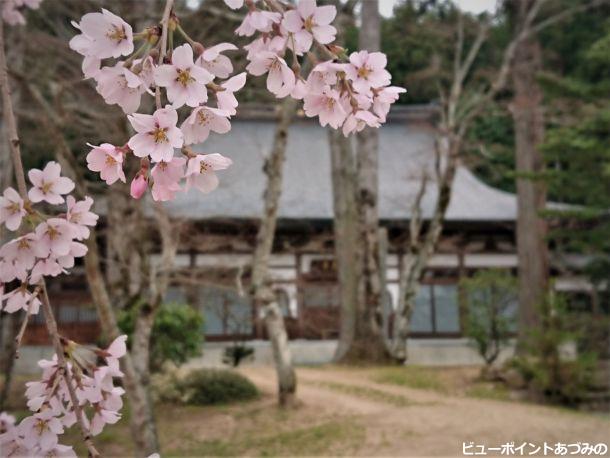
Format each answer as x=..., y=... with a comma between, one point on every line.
x=531, y=190
x=261, y=292
x=368, y=342
x=347, y=252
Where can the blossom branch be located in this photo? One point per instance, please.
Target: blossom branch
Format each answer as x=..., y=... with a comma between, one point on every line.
x=50, y=321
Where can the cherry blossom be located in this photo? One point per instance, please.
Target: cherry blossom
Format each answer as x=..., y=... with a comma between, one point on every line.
x=200, y=171
x=49, y=185
x=367, y=70
x=384, y=98
x=281, y=79
x=167, y=176
x=234, y=4
x=216, y=63
x=119, y=85
x=106, y=159
x=261, y=21
x=327, y=106
x=355, y=122
x=157, y=134
x=12, y=10
x=185, y=81
x=18, y=256
x=54, y=237
x=104, y=35
x=226, y=100
x=196, y=128
x=11, y=209
x=79, y=216
x=309, y=21
x=21, y=299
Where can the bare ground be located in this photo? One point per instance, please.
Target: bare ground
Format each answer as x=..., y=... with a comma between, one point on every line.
x=350, y=412
x=402, y=421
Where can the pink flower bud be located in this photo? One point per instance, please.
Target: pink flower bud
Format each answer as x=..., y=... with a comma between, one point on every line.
x=138, y=186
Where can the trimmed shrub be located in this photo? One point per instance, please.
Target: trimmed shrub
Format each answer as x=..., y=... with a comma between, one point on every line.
x=216, y=386
x=177, y=333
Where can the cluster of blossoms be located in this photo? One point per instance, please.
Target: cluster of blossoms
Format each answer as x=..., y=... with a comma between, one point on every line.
x=192, y=76
x=51, y=403
x=12, y=10
x=348, y=93
x=51, y=247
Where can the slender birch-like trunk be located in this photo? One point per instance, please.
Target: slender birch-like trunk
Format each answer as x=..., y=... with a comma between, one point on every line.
x=262, y=293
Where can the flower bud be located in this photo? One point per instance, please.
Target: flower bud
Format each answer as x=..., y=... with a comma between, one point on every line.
x=198, y=48
x=138, y=186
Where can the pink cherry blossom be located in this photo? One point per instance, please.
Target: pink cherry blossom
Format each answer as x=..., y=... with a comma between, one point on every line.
x=327, y=106
x=102, y=417
x=281, y=79
x=185, y=82
x=106, y=159
x=54, y=238
x=264, y=43
x=216, y=63
x=167, y=176
x=79, y=215
x=138, y=186
x=200, y=171
x=257, y=20
x=48, y=184
x=196, y=128
x=19, y=255
x=367, y=70
x=6, y=421
x=108, y=35
x=234, y=4
x=323, y=76
x=77, y=250
x=226, y=100
x=118, y=347
x=119, y=85
x=21, y=299
x=45, y=268
x=308, y=22
x=384, y=98
x=157, y=134
x=11, y=209
x=355, y=122
x=41, y=429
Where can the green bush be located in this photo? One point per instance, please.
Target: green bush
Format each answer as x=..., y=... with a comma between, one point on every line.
x=177, y=333
x=550, y=374
x=489, y=295
x=215, y=386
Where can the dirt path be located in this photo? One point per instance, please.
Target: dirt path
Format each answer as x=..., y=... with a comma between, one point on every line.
x=401, y=421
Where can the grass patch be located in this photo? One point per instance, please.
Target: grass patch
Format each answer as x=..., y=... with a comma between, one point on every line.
x=494, y=391
x=313, y=440
x=372, y=394
x=410, y=376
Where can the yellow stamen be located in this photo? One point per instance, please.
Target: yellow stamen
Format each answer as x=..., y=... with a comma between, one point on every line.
x=184, y=77
x=202, y=118
x=46, y=187
x=363, y=72
x=160, y=135
x=117, y=34
x=110, y=161
x=203, y=167
x=309, y=24
x=41, y=426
